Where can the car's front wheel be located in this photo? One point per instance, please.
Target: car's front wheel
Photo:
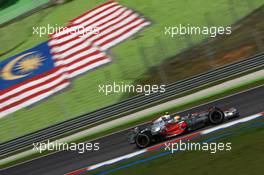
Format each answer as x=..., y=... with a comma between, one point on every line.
x=143, y=140
x=216, y=116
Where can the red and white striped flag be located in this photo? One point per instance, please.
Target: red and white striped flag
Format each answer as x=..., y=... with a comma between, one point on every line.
x=105, y=26
x=79, y=56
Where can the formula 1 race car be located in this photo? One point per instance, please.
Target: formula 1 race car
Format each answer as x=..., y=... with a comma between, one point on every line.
x=172, y=125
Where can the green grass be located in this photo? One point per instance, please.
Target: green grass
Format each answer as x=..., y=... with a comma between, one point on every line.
x=128, y=64
x=244, y=158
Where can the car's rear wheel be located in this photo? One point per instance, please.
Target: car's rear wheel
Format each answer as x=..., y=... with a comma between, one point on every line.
x=216, y=116
x=143, y=140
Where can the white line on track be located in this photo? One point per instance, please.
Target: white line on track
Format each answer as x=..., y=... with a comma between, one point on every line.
x=203, y=132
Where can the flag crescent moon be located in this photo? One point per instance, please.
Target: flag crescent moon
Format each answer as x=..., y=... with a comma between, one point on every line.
x=7, y=70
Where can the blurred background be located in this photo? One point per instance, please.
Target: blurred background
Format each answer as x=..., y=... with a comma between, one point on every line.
x=149, y=57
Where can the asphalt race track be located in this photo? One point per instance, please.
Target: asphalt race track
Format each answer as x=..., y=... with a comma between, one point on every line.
x=248, y=103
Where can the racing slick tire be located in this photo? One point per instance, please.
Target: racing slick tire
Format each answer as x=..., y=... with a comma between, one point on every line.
x=143, y=140
x=216, y=116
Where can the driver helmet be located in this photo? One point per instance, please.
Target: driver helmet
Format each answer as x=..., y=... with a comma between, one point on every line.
x=166, y=116
x=177, y=118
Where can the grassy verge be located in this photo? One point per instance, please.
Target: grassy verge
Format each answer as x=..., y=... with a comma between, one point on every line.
x=211, y=53
x=245, y=156
x=146, y=118
x=128, y=65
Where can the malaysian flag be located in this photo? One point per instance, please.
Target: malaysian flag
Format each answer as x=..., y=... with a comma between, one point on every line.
x=29, y=77
x=41, y=71
x=105, y=26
